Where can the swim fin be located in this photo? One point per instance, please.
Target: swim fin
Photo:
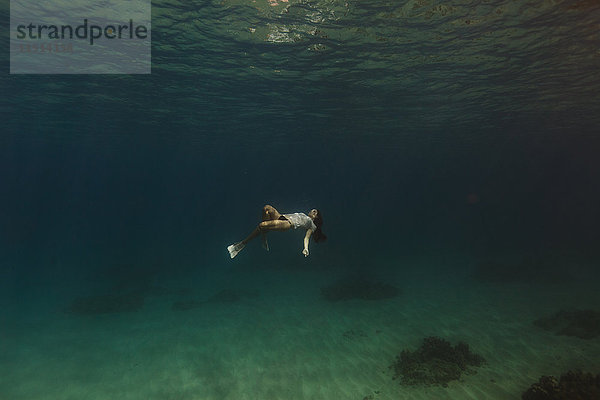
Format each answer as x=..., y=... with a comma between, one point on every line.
x=235, y=248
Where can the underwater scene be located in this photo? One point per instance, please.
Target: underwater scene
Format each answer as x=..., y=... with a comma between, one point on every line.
x=309, y=199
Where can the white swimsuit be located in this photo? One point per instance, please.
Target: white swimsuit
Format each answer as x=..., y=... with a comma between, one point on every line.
x=300, y=220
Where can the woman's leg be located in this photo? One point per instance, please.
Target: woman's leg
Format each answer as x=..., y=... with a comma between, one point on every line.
x=270, y=213
x=271, y=222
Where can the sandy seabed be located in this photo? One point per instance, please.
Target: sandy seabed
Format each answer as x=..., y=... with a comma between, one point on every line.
x=290, y=344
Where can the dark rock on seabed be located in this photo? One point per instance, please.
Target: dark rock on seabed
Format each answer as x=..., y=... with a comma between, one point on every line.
x=584, y=324
x=436, y=362
x=572, y=385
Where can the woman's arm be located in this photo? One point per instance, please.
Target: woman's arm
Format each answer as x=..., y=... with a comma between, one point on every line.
x=306, y=238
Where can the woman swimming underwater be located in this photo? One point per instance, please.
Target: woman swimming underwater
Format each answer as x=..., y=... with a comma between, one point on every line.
x=272, y=220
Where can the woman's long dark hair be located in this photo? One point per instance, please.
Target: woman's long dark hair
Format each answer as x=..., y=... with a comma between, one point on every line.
x=318, y=235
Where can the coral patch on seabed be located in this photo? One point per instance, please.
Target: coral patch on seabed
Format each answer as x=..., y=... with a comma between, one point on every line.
x=584, y=324
x=436, y=362
x=359, y=288
x=573, y=385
